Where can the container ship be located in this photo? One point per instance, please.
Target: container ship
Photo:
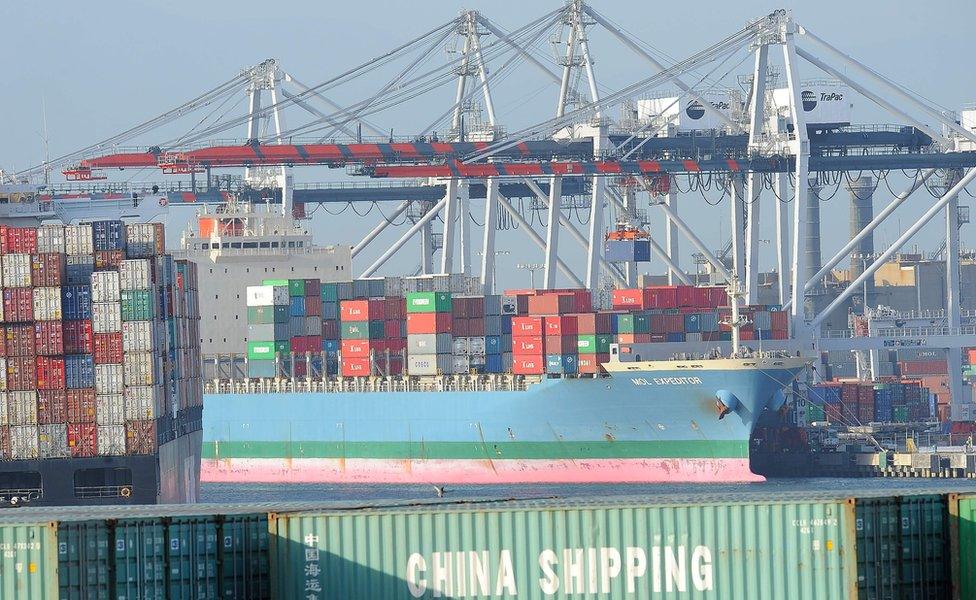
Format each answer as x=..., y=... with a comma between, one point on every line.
x=100, y=390
x=425, y=380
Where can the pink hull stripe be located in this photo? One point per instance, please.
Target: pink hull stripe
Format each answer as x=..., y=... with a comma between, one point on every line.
x=371, y=470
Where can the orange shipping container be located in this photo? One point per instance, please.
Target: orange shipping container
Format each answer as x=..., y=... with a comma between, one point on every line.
x=524, y=345
x=528, y=365
x=429, y=323
x=361, y=348
x=531, y=326
x=355, y=367
x=362, y=310
x=592, y=363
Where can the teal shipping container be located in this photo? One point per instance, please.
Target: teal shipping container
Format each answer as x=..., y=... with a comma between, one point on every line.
x=797, y=550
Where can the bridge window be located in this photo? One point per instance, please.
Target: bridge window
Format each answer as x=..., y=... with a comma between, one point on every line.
x=22, y=483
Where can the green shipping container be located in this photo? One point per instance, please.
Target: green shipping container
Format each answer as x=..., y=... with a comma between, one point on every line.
x=261, y=350
x=427, y=302
x=29, y=561
x=797, y=550
x=815, y=413
x=83, y=560
x=634, y=323
x=330, y=292
x=594, y=344
x=243, y=557
x=137, y=305
x=903, y=548
x=362, y=330
x=140, y=559
x=296, y=287
x=275, y=282
x=266, y=315
x=962, y=522
x=899, y=414
x=192, y=543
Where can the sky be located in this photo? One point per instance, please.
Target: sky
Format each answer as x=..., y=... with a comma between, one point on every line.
x=98, y=67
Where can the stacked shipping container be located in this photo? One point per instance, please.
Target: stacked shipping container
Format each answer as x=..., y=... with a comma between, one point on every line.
x=90, y=314
x=430, y=340
x=854, y=403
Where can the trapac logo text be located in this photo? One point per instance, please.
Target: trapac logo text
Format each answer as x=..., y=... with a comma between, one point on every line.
x=569, y=571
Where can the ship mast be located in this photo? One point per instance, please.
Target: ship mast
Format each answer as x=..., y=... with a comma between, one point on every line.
x=735, y=292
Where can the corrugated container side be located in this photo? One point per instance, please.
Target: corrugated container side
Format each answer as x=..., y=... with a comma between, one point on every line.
x=111, y=440
x=29, y=568
x=796, y=550
x=140, y=558
x=83, y=559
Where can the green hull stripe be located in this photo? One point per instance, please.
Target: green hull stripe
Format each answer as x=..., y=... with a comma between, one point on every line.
x=479, y=451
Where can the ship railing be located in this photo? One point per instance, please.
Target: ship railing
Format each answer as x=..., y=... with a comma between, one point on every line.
x=100, y=491
x=904, y=332
x=460, y=383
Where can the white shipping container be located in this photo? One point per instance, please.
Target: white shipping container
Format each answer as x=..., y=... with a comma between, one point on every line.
x=105, y=286
x=109, y=409
x=52, y=441
x=461, y=364
x=136, y=274
x=460, y=346
x=23, y=442
x=22, y=408
x=50, y=238
x=3, y=374
x=140, y=233
x=476, y=346
x=47, y=304
x=108, y=379
x=429, y=364
x=4, y=421
x=429, y=343
x=78, y=239
x=138, y=368
x=111, y=440
x=267, y=295
x=16, y=270
x=106, y=317
x=140, y=403
x=137, y=336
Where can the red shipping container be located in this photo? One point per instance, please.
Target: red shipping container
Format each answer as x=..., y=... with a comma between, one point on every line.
x=429, y=323
x=81, y=405
x=21, y=240
x=47, y=270
x=19, y=340
x=915, y=368
x=355, y=367
x=362, y=348
x=313, y=306
x=592, y=363
x=663, y=296
x=82, y=440
x=313, y=344
x=50, y=373
x=521, y=303
x=108, y=348
x=3, y=341
x=627, y=338
x=52, y=407
x=747, y=335
x=561, y=325
x=18, y=305
x=21, y=374
x=106, y=260
x=48, y=338
x=300, y=369
x=476, y=327
x=674, y=323
x=559, y=344
x=534, y=345
x=779, y=320
x=528, y=365
x=396, y=307
x=397, y=346
x=78, y=337
x=4, y=443
x=459, y=327
x=140, y=437
x=593, y=323
x=362, y=310
x=533, y=326
x=627, y=299
x=552, y=304
x=393, y=329
x=330, y=329
x=3, y=239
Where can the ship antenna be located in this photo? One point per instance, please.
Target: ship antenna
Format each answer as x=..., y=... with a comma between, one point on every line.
x=735, y=292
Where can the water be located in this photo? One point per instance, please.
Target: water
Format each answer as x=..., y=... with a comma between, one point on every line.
x=251, y=492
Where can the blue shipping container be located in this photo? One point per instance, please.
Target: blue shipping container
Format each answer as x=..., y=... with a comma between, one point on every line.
x=108, y=235
x=506, y=326
x=297, y=306
x=330, y=311
x=493, y=363
x=627, y=250
x=76, y=302
x=493, y=344
x=693, y=323
x=79, y=274
x=708, y=321
x=330, y=346
x=561, y=363
x=675, y=337
x=79, y=371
